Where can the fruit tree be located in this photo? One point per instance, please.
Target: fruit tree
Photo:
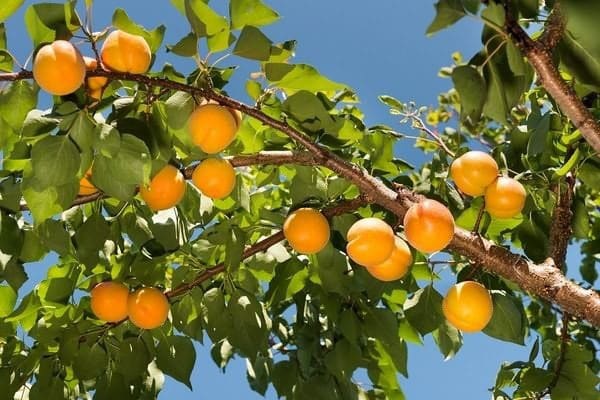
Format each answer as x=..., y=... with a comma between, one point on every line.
x=284, y=230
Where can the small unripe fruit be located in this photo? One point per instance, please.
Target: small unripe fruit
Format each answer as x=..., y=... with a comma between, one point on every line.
x=165, y=190
x=396, y=265
x=505, y=198
x=214, y=177
x=59, y=68
x=429, y=226
x=306, y=230
x=124, y=52
x=370, y=242
x=212, y=127
x=148, y=308
x=468, y=306
x=109, y=301
x=473, y=172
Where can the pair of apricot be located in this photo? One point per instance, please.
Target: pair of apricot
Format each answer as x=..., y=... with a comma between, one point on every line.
x=59, y=68
x=476, y=173
x=146, y=308
x=468, y=306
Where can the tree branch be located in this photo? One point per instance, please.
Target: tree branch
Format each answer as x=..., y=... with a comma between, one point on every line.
x=549, y=76
x=560, y=231
x=543, y=279
x=554, y=28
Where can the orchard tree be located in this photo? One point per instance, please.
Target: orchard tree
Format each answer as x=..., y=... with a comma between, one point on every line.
x=286, y=232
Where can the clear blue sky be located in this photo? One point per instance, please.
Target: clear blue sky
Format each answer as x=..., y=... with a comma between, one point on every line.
x=376, y=47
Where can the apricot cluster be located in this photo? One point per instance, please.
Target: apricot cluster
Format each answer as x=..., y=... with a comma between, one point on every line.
x=475, y=173
x=146, y=308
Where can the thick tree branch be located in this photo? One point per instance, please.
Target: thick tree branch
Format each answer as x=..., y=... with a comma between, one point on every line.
x=560, y=231
x=554, y=28
x=549, y=76
x=543, y=279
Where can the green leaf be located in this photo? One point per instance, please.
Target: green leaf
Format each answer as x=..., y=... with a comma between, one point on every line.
x=46, y=22
x=534, y=239
x=90, y=362
x=515, y=58
x=424, y=310
x=203, y=19
x=448, y=339
x=293, y=77
x=82, y=131
x=535, y=379
x=54, y=236
x=253, y=44
x=16, y=101
x=310, y=112
x=56, y=290
x=250, y=331
x=176, y=356
x=284, y=377
x=250, y=12
x=581, y=220
x=508, y=321
x=8, y=300
x=290, y=278
x=134, y=358
x=539, y=139
x=55, y=160
x=45, y=201
x=178, y=109
x=447, y=13
x=121, y=20
x=90, y=238
x=8, y=7
x=11, y=236
x=382, y=325
x=471, y=87
x=107, y=140
x=187, y=46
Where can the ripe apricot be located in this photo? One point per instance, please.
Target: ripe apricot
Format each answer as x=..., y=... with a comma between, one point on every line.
x=428, y=226
x=95, y=84
x=109, y=301
x=165, y=190
x=306, y=230
x=148, y=308
x=396, y=265
x=214, y=177
x=370, y=242
x=59, y=68
x=212, y=127
x=468, y=306
x=124, y=52
x=85, y=186
x=505, y=198
x=473, y=172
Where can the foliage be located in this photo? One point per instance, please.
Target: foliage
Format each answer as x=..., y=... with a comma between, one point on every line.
x=304, y=324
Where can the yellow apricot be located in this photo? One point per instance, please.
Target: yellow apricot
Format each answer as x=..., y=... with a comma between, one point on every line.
x=396, y=265
x=306, y=230
x=165, y=190
x=428, y=226
x=109, y=301
x=473, y=172
x=59, y=68
x=468, y=306
x=370, y=242
x=124, y=52
x=505, y=198
x=214, y=177
x=148, y=308
x=212, y=127
x=85, y=186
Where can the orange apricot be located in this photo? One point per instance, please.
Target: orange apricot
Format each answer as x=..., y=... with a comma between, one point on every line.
x=370, y=242
x=396, y=265
x=214, y=177
x=109, y=301
x=306, y=230
x=86, y=187
x=473, y=172
x=165, y=190
x=95, y=84
x=212, y=127
x=468, y=306
x=428, y=226
x=505, y=198
x=148, y=308
x=59, y=68
x=124, y=52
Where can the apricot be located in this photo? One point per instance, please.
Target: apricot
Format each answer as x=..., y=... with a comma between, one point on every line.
x=505, y=198
x=473, y=172
x=396, y=265
x=428, y=226
x=306, y=230
x=212, y=127
x=214, y=177
x=95, y=84
x=165, y=190
x=59, y=68
x=148, y=308
x=370, y=242
x=85, y=186
x=124, y=52
x=468, y=306
x=109, y=301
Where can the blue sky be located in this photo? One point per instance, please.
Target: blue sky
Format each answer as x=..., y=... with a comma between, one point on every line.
x=376, y=47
